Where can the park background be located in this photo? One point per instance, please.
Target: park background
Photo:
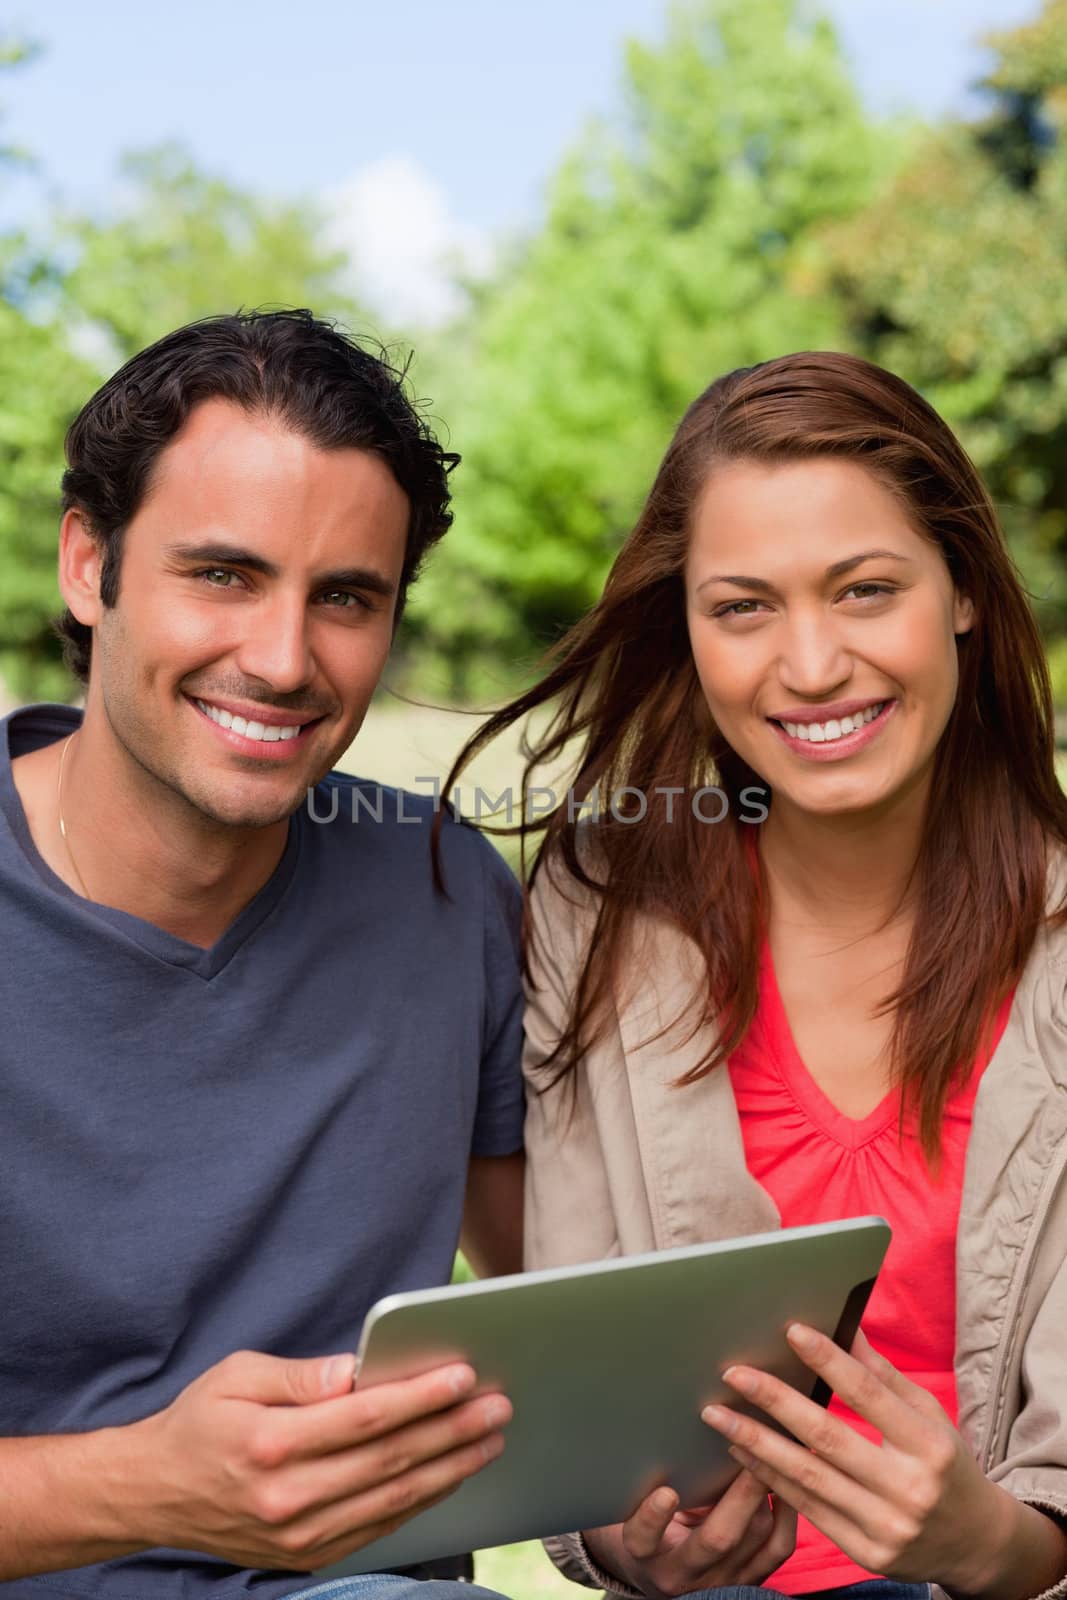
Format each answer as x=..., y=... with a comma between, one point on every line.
x=575, y=214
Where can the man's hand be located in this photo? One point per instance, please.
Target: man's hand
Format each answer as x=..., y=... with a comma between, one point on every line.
x=665, y=1552
x=274, y=1463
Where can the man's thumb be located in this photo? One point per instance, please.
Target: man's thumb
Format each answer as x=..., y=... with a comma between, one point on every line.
x=272, y=1380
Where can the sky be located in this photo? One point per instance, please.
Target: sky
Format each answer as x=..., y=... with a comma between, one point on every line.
x=426, y=128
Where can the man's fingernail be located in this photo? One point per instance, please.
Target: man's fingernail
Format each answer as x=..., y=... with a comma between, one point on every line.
x=663, y=1501
x=462, y=1379
x=339, y=1370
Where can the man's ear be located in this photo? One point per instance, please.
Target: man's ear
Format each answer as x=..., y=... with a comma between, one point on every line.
x=963, y=615
x=80, y=560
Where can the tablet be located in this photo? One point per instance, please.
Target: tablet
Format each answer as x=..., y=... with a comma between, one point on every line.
x=608, y=1366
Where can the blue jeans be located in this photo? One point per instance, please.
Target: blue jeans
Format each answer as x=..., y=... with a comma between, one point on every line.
x=382, y=1586
x=390, y=1586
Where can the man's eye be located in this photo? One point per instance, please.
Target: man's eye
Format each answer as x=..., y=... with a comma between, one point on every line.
x=346, y=599
x=218, y=577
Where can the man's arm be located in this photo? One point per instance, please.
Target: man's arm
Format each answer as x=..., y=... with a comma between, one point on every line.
x=263, y=1461
x=62, y=1500
x=491, y=1238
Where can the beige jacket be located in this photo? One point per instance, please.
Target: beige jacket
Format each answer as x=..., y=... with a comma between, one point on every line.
x=642, y=1166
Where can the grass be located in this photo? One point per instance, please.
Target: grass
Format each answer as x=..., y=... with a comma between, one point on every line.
x=522, y=1571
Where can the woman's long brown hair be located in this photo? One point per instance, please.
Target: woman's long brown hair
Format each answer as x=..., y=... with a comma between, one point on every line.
x=624, y=682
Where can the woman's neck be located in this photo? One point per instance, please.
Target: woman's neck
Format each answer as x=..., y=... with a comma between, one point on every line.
x=851, y=874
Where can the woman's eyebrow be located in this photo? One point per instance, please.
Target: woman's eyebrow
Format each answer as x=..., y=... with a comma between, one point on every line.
x=834, y=571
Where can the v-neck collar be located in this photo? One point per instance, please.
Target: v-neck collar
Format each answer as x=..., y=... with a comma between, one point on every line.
x=851, y=1132
x=35, y=726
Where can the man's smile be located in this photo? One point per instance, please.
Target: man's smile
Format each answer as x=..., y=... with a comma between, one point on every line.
x=261, y=731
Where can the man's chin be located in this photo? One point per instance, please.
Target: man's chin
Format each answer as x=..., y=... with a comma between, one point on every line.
x=243, y=814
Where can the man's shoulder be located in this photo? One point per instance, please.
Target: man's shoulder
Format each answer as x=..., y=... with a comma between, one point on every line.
x=344, y=798
x=362, y=820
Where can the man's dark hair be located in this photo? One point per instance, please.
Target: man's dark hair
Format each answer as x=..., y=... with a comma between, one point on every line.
x=287, y=364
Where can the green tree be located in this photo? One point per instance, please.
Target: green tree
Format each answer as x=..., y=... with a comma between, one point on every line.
x=36, y=371
x=188, y=244
x=682, y=240
x=955, y=279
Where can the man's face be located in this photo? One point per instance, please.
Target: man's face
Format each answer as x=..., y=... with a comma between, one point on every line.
x=257, y=593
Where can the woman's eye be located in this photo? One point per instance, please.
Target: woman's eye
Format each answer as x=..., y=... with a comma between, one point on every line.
x=733, y=609
x=870, y=588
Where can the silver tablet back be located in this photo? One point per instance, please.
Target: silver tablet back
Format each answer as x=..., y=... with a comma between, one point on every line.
x=608, y=1366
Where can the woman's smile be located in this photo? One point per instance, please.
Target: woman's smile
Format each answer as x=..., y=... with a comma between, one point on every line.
x=834, y=738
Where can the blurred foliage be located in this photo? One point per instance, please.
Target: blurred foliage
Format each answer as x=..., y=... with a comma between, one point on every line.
x=741, y=203
x=41, y=381
x=189, y=245
x=956, y=279
x=681, y=241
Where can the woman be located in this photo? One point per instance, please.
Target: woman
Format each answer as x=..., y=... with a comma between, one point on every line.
x=810, y=961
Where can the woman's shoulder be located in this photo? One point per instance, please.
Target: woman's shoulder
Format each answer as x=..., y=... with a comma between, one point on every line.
x=570, y=907
x=1042, y=989
x=567, y=889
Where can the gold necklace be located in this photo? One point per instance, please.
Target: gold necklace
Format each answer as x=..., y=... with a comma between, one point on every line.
x=62, y=825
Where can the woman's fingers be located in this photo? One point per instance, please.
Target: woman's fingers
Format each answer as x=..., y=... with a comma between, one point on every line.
x=827, y=1471
x=864, y=1390
x=852, y=1521
x=642, y=1533
x=779, y=1546
x=736, y=1527
x=921, y=1399
x=821, y=1435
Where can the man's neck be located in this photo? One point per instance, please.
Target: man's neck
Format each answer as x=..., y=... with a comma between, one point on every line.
x=134, y=844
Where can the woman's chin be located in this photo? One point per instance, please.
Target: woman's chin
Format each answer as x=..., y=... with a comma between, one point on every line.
x=843, y=798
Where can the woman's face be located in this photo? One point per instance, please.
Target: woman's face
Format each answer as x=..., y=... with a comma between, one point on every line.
x=822, y=627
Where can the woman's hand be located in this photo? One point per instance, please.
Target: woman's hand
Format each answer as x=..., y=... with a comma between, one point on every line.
x=917, y=1506
x=665, y=1552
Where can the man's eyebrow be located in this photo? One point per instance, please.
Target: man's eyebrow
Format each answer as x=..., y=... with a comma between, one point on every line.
x=230, y=555
x=837, y=570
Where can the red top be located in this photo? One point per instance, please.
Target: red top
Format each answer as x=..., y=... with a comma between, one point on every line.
x=818, y=1165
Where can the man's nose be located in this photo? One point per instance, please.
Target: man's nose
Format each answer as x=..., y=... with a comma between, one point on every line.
x=276, y=644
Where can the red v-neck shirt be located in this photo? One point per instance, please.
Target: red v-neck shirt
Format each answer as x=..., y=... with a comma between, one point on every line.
x=818, y=1165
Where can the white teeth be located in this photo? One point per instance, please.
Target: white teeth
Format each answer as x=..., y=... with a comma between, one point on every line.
x=835, y=728
x=263, y=732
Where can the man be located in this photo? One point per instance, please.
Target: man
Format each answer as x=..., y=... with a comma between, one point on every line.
x=255, y=1066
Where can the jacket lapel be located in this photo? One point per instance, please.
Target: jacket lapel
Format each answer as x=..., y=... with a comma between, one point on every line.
x=690, y=1138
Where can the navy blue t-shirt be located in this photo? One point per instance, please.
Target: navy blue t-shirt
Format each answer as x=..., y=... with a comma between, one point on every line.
x=243, y=1147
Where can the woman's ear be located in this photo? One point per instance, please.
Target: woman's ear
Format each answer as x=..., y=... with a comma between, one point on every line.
x=80, y=558
x=962, y=613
